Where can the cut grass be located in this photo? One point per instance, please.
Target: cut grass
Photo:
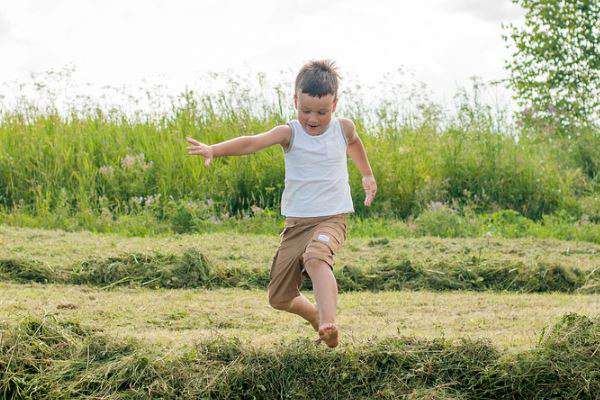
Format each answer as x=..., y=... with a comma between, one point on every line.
x=193, y=270
x=42, y=358
x=172, y=318
x=219, y=260
x=60, y=249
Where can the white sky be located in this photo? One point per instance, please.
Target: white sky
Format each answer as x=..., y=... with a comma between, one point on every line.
x=443, y=42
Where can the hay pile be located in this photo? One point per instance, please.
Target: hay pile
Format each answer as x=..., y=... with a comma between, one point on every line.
x=43, y=359
x=193, y=270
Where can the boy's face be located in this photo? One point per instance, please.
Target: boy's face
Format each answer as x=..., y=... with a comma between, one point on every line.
x=314, y=113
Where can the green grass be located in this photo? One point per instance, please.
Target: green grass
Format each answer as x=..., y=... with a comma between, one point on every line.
x=129, y=270
x=92, y=162
x=41, y=358
x=220, y=260
x=171, y=319
x=439, y=220
x=193, y=270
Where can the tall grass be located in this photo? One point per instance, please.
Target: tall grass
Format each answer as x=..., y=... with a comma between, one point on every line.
x=106, y=161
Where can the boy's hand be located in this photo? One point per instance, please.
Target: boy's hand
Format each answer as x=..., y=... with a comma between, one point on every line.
x=200, y=148
x=370, y=187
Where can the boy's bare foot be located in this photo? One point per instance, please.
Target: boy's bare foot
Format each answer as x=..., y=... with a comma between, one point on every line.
x=328, y=333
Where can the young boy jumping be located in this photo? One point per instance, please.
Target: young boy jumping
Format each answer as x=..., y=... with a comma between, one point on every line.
x=316, y=197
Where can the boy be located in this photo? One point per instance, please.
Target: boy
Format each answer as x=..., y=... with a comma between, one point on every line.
x=316, y=197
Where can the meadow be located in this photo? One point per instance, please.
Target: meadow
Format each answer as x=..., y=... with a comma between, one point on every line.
x=129, y=270
x=103, y=169
x=102, y=315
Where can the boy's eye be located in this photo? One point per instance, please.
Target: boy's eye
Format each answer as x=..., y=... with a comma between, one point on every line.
x=321, y=112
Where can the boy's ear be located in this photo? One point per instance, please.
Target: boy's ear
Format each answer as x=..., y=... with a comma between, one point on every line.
x=334, y=105
x=296, y=101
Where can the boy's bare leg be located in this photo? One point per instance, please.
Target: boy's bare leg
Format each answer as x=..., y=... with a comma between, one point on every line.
x=326, y=293
x=301, y=306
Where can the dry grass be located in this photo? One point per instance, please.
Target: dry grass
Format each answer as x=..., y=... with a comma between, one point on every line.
x=61, y=249
x=175, y=318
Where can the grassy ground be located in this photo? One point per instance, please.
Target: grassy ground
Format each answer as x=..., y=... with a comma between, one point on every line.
x=60, y=249
x=46, y=358
x=175, y=318
x=458, y=177
x=74, y=341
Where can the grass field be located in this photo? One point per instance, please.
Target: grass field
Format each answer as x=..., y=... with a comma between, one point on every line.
x=178, y=318
x=135, y=342
x=101, y=165
x=130, y=271
x=75, y=341
x=512, y=320
x=60, y=249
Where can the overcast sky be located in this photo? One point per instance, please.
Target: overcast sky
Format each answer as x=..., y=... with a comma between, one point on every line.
x=444, y=42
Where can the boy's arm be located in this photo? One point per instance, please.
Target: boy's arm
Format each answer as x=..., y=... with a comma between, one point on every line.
x=241, y=145
x=357, y=152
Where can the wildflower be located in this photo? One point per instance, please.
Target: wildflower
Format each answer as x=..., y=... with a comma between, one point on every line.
x=128, y=161
x=210, y=202
x=436, y=205
x=136, y=200
x=149, y=201
x=106, y=170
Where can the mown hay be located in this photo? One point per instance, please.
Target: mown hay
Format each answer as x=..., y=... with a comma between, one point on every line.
x=44, y=358
x=194, y=270
x=22, y=271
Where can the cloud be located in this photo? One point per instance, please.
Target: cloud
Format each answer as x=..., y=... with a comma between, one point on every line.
x=4, y=28
x=487, y=10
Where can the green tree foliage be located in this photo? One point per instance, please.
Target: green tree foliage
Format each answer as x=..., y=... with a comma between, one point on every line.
x=555, y=65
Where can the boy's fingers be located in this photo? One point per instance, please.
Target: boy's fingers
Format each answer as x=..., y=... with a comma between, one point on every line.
x=193, y=141
x=370, y=194
x=201, y=149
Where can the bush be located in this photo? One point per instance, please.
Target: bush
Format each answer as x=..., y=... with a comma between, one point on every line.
x=442, y=221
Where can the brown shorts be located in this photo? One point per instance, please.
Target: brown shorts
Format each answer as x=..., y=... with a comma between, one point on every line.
x=302, y=239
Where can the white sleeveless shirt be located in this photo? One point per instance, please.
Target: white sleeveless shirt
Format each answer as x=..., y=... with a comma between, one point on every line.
x=316, y=173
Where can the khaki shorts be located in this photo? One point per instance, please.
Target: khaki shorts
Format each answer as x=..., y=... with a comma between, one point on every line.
x=302, y=239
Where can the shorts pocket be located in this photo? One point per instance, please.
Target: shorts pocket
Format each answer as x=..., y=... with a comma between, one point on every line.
x=286, y=228
x=331, y=235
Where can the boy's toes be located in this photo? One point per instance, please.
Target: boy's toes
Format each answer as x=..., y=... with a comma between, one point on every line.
x=329, y=334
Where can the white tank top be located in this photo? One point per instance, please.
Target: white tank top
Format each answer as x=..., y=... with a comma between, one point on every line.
x=316, y=173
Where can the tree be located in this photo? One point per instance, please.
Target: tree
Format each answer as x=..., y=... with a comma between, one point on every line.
x=555, y=66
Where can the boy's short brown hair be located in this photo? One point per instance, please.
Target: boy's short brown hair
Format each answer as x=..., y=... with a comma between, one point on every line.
x=318, y=78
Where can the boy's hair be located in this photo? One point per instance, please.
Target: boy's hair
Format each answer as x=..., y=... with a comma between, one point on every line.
x=318, y=78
